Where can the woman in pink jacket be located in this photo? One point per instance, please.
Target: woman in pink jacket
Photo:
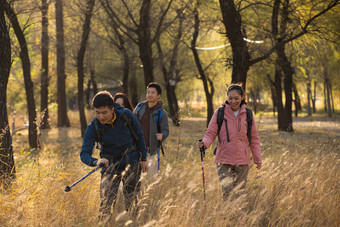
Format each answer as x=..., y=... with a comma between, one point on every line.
x=232, y=154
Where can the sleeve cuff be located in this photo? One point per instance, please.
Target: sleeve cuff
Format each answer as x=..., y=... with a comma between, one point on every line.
x=94, y=162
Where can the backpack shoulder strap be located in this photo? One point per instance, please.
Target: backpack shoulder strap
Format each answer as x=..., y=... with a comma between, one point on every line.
x=158, y=120
x=220, y=117
x=99, y=133
x=250, y=122
x=127, y=122
x=138, y=107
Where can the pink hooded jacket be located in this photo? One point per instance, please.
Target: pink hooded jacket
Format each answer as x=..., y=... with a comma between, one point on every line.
x=236, y=151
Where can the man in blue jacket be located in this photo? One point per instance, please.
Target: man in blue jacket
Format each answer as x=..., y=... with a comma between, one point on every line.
x=120, y=151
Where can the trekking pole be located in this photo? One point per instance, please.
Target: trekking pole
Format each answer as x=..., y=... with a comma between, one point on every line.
x=159, y=147
x=68, y=188
x=202, y=150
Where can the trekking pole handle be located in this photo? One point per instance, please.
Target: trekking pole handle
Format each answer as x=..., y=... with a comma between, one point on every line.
x=202, y=149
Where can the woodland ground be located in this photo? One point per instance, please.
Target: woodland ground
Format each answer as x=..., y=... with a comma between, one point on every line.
x=297, y=186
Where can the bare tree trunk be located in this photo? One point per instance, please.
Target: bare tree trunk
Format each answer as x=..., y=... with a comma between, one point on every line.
x=205, y=80
x=273, y=90
x=61, y=76
x=287, y=81
x=332, y=100
x=309, y=94
x=144, y=42
x=91, y=82
x=285, y=119
x=44, y=124
x=274, y=100
x=171, y=75
x=133, y=86
x=278, y=94
x=170, y=88
x=80, y=64
x=252, y=94
x=327, y=88
x=126, y=71
x=26, y=67
x=7, y=167
x=325, y=96
x=232, y=21
x=314, y=97
x=173, y=104
x=297, y=101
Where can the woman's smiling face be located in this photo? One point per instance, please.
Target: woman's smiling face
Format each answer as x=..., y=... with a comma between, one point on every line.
x=234, y=99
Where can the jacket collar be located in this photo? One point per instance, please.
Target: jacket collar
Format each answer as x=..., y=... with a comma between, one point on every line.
x=228, y=108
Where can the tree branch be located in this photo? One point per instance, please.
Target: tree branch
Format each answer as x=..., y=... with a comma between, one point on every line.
x=161, y=22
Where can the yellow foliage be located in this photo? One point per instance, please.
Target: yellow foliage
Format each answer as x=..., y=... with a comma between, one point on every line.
x=297, y=186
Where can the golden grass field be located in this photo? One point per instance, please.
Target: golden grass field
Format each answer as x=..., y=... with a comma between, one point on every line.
x=297, y=186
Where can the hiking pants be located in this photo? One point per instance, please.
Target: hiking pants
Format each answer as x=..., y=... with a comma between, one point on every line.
x=152, y=166
x=110, y=180
x=231, y=176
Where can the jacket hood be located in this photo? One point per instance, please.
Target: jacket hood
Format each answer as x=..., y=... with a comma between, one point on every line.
x=159, y=104
x=119, y=110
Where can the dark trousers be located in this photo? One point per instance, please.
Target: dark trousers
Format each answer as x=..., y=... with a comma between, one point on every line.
x=110, y=180
x=231, y=176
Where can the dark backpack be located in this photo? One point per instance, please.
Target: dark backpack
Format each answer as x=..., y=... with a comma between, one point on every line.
x=220, y=119
x=100, y=130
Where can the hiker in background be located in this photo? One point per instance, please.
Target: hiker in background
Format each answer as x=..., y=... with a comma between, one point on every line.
x=154, y=122
x=122, y=151
x=232, y=152
x=123, y=100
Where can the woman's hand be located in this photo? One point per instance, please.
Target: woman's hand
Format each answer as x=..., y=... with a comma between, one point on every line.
x=258, y=165
x=200, y=144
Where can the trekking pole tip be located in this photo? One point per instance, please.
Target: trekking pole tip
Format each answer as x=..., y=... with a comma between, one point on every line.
x=67, y=189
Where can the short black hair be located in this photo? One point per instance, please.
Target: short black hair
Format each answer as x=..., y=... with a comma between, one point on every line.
x=155, y=85
x=102, y=98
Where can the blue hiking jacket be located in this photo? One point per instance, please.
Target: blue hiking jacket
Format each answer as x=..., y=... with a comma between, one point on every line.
x=115, y=139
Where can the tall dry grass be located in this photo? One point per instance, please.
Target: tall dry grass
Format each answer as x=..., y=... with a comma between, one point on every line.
x=297, y=186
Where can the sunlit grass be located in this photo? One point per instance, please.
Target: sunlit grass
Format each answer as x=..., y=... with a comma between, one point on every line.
x=298, y=185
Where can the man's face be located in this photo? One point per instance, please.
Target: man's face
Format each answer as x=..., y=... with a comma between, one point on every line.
x=151, y=95
x=104, y=114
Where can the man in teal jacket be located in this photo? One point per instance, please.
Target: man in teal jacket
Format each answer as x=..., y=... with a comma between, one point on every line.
x=119, y=151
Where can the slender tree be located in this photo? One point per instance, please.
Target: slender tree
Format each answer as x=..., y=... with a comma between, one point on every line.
x=80, y=64
x=207, y=82
x=61, y=76
x=242, y=59
x=172, y=73
x=7, y=167
x=139, y=33
x=44, y=66
x=118, y=40
x=91, y=85
x=232, y=21
x=26, y=67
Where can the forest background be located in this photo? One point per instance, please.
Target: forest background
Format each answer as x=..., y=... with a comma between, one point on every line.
x=57, y=54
